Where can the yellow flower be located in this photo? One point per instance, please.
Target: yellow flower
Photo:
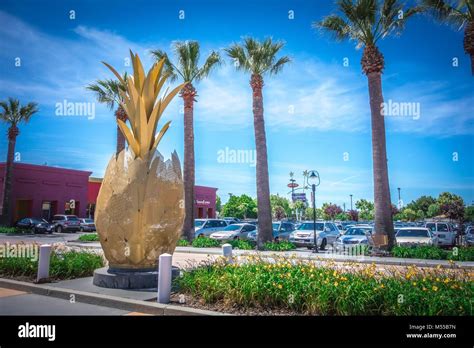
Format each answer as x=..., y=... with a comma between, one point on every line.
x=279, y=286
x=414, y=283
x=435, y=288
x=424, y=289
x=336, y=284
x=437, y=279
x=382, y=286
x=447, y=280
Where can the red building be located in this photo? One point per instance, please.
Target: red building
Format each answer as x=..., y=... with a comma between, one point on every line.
x=204, y=199
x=42, y=191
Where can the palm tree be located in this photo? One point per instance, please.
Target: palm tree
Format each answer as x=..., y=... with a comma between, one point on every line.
x=188, y=70
x=108, y=92
x=460, y=14
x=366, y=22
x=13, y=114
x=258, y=59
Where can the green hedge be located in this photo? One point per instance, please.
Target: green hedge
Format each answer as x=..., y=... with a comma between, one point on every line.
x=65, y=265
x=434, y=253
x=279, y=246
x=90, y=237
x=205, y=242
x=307, y=288
x=241, y=244
x=6, y=229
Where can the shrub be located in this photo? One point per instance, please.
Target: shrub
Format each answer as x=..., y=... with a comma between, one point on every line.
x=64, y=265
x=205, y=242
x=309, y=288
x=279, y=246
x=183, y=242
x=91, y=237
x=6, y=229
x=241, y=244
x=434, y=253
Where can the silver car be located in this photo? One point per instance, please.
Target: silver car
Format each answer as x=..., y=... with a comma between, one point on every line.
x=205, y=227
x=413, y=236
x=234, y=231
x=354, y=236
x=470, y=236
x=326, y=233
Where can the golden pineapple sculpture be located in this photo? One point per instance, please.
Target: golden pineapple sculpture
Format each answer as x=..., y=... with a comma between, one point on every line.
x=139, y=212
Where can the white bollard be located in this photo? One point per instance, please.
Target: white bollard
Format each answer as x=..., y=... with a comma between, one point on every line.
x=43, y=262
x=164, y=278
x=227, y=251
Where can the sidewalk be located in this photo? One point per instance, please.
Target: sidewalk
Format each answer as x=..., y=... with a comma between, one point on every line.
x=309, y=255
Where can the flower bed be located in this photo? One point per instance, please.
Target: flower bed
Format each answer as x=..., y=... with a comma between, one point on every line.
x=64, y=264
x=305, y=288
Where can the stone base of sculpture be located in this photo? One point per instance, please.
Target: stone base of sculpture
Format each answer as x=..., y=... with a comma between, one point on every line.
x=128, y=278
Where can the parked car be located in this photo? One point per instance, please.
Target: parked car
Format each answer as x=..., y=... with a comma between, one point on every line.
x=231, y=220
x=66, y=223
x=413, y=236
x=234, y=231
x=326, y=233
x=470, y=236
x=36, y=225
x=87, y=225
x=357, y=235
x=443, y=231
x=282, y=230
x=204, y=227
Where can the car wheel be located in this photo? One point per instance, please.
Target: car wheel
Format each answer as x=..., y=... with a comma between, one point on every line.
x=81, y=229
x=323, y=244
x=236, y=238
x=59, y=229
x=309, y=247
x=201, y=236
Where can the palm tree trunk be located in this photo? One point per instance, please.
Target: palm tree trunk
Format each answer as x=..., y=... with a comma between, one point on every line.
x=120, y=114
x=383, y=205
x=7, y=187
x=188, y=94
x=469, y=42
x=263, y=188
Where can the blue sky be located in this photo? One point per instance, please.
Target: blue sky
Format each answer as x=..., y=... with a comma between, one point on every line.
x=316, y=111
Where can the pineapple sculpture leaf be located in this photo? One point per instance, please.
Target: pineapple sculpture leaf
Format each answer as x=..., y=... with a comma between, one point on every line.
x=144, y=105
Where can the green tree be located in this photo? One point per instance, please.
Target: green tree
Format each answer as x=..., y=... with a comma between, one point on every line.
x=421, y=203
x=451, y=205
x=218, y=204
x=282, y=202
x=433, y=210
x=366, y=22
x=469, y=213
x=188, y=70
x=366, y=209
x=258, y=59
x=242, y=207
x=409, y=214
x=13, y=115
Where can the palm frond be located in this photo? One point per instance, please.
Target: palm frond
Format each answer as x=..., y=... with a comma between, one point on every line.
x=13, y=113
x=169, y=69
x=213, y=61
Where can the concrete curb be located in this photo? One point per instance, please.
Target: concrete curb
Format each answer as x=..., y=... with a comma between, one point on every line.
x=105, y=300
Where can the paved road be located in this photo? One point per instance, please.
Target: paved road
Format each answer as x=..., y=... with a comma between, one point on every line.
x=13, y=302
x=40, y=238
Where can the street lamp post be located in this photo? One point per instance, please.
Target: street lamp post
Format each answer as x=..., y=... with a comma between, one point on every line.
x=351, y=200
x=399, y=199
x=313, y=180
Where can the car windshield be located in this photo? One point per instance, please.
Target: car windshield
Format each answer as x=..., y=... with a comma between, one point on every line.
x=413, y=233
x=198, y=223
x=356, y=232
x=432, y=227
x=89, y=221
x=232, y=228
x=72, y=218
x=37, y=221
x=275, y=227
x=309, y=226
